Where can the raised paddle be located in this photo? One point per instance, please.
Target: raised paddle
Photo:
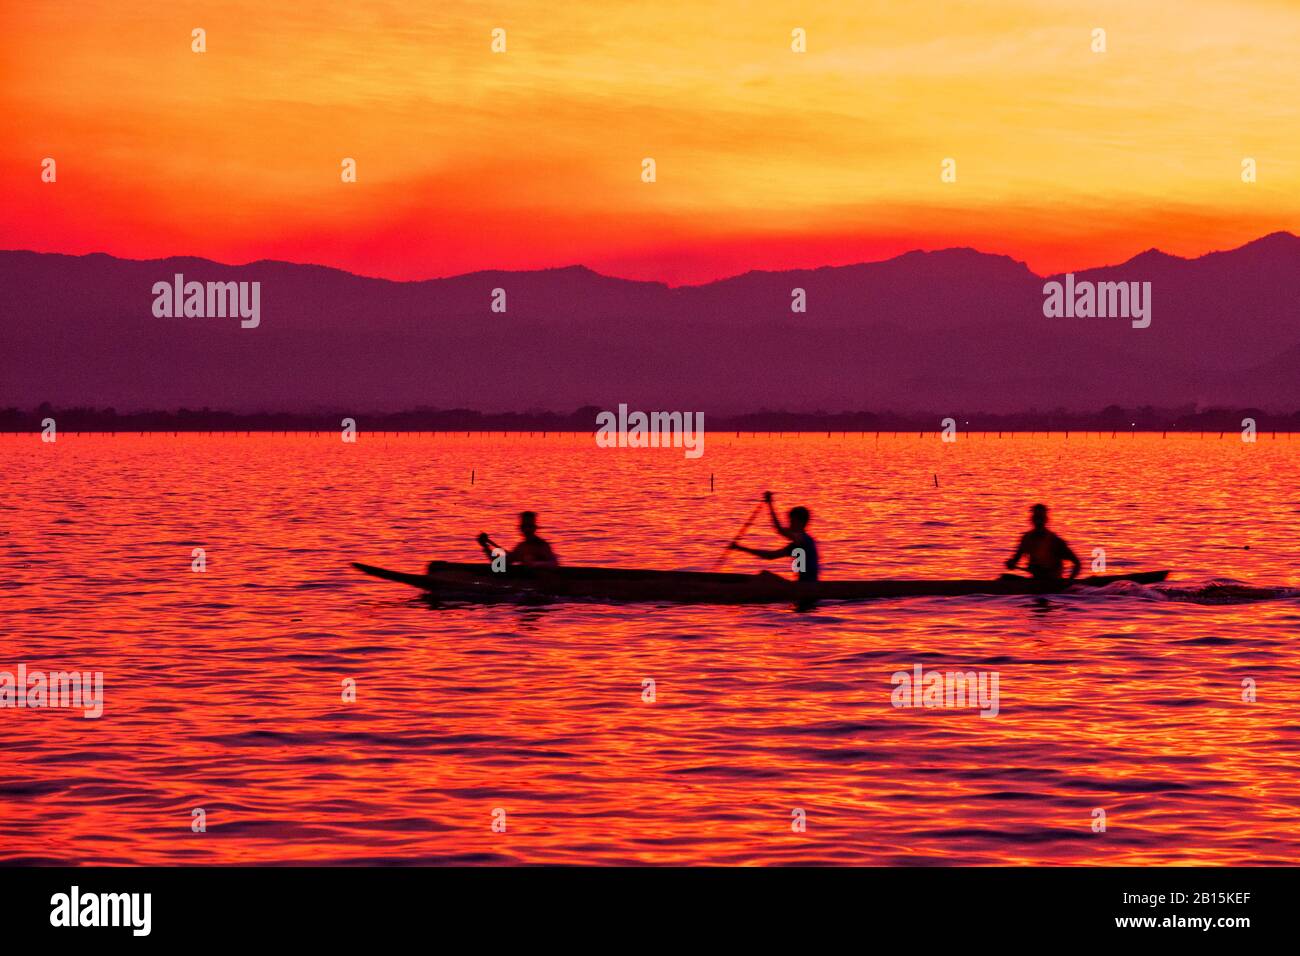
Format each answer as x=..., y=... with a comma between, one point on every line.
x=739, y=534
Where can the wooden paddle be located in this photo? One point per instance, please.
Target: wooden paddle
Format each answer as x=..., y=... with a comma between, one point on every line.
x=739, y=534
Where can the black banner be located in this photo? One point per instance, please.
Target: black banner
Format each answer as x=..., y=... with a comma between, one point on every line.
x=144, y=906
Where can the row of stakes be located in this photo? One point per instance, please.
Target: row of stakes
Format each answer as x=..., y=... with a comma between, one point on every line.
x=473, y=475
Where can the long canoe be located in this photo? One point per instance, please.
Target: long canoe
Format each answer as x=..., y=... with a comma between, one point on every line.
x=451, y=581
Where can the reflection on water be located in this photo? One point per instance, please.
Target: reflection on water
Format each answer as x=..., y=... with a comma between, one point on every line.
x=223, y=689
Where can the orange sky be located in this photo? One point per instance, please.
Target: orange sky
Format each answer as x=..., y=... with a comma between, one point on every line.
x=531, y=158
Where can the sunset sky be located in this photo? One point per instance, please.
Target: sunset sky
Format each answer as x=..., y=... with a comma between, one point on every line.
x=766, y=158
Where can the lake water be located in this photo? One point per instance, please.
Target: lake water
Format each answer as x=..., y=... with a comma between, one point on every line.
x=223, y=689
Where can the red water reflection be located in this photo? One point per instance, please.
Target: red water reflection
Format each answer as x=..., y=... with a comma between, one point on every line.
x=224, y=689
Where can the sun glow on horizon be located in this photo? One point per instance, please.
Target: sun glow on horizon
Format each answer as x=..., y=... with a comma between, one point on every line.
x=766, y=158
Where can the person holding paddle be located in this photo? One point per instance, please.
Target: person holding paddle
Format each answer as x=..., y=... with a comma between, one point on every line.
x=1046, y=550
x=532, y=552
x=801, y=545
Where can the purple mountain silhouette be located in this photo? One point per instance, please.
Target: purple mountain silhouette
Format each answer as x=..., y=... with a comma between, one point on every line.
x=954, y=330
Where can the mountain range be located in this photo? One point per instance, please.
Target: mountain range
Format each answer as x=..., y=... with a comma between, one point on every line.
x=955, y=330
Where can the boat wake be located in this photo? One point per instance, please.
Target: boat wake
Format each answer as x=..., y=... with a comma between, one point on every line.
x=1218, y=591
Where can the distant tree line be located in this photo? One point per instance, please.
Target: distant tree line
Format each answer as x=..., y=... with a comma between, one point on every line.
x=1111, y=418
